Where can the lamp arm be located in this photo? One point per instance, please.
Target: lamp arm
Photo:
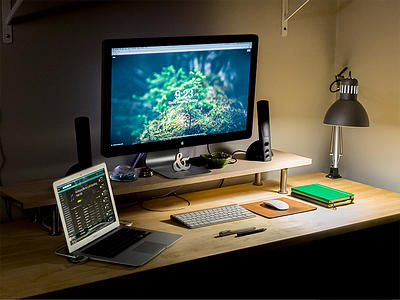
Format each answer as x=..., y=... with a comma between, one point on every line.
x=336, y=145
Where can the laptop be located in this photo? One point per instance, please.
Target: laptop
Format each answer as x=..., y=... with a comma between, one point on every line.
x=91, y=226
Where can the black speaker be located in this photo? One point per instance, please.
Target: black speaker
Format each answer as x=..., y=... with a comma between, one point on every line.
x=83, y=145
x=261, y=149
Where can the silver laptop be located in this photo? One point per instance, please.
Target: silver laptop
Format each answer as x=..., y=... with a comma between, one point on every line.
x=91, y=226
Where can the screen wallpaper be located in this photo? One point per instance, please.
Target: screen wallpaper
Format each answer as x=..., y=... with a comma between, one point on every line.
x=163, y=96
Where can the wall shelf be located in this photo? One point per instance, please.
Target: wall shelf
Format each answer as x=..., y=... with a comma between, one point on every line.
x=286, y=14
x=8, y=11
x=9, y=14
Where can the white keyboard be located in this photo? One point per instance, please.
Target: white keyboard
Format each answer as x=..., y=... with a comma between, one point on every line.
x=211, y=216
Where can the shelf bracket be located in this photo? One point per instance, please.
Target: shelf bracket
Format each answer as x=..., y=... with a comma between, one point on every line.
x=8, y=11
x=286, y=14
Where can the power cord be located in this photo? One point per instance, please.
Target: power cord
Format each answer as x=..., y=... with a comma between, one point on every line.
x=44, y=224
x=338, y=78
x=165, y=195
x=72, y=258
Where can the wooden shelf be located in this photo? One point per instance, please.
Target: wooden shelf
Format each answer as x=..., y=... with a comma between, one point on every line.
x=40, y=193
x=280, y=160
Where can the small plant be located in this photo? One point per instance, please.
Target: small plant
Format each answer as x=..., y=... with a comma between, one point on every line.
x=218, y=155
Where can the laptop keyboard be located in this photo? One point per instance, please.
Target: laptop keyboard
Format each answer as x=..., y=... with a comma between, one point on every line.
x=211, y=216
x=117, y=242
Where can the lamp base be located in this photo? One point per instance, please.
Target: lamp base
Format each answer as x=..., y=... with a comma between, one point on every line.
x=334, y=173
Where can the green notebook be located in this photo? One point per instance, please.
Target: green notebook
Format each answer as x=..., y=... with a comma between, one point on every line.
x=322, y=193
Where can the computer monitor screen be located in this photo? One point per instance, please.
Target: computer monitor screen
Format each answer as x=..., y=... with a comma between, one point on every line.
x=169, y=93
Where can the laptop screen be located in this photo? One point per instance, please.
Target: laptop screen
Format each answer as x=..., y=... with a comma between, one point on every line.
x=86, y=206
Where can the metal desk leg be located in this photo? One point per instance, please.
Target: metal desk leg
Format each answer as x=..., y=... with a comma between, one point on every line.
x=36, y=215
x=257, y=179
x=283, y=182
x=55, y=228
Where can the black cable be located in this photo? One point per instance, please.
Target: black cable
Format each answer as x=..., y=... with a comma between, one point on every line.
x=330, y=87
x=137, y=159
x=238, y=151
x=232, y=162
x=208, y=148
x=341, y=72
x=222, y=182
x=129, y=206
x=171, y=209
x=338, y=78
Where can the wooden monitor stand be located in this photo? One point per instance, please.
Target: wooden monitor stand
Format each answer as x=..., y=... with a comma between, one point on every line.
x=33, y=195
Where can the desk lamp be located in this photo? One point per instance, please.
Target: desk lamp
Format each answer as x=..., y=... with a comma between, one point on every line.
x=346, y=111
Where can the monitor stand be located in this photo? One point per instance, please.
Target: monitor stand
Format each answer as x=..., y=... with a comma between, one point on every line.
x=162, y=162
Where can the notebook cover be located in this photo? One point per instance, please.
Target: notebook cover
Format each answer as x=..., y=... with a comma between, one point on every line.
x=322, y=192
x=295, y=207
x=331, y=204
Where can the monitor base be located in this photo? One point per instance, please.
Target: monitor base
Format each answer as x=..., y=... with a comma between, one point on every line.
x=162, y=162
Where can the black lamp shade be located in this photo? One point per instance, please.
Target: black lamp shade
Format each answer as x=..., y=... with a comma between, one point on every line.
x=347, y=111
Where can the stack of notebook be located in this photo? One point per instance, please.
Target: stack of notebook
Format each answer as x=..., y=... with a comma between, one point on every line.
x=322, y=195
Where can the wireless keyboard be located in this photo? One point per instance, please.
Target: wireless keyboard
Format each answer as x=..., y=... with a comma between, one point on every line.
x=211, y=216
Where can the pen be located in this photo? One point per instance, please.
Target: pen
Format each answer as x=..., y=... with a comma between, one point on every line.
x=229, y=232
x=250, y=232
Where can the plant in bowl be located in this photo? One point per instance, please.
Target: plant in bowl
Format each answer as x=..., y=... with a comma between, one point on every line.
x=216, y=160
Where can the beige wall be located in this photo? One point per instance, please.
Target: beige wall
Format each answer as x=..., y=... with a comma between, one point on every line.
x=369, y=43
x=51, y=74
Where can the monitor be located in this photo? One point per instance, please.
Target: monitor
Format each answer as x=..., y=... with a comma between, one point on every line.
x=162, y=94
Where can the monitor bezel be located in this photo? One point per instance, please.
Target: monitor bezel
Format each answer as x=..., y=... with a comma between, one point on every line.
x=107, y=150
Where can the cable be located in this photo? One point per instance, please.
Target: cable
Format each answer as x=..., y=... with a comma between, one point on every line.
x=169, y=193
x=338, y=78
x=125, y=222
x=171, y=209
x=73, y=259
x=44, y=219
x=208, y=149
x=235, y=159
x=137, y=159
x=237, y=151
x=233, y=162
x=222, y=182
x=129, y=206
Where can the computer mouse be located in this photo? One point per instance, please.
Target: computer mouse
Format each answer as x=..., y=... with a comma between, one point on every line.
x=277, y=204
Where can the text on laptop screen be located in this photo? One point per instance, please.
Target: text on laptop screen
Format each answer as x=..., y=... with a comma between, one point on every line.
x=86, y=205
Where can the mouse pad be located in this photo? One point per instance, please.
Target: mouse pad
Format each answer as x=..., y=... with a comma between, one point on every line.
x=295, y=207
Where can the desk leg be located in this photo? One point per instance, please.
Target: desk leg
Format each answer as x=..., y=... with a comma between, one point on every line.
x=283, y=182
x=257, y=179
x=36, y=215
x=55, y=228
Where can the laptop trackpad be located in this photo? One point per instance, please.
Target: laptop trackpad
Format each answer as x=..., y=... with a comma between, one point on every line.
x=149, y=247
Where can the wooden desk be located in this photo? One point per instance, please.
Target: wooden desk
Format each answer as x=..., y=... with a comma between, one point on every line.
x=29, y=267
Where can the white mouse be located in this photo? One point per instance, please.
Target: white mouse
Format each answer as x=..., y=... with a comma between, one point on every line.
x=277, y=204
